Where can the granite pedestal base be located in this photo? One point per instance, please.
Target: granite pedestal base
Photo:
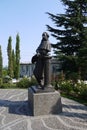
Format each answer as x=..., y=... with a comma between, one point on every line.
x=44, y=103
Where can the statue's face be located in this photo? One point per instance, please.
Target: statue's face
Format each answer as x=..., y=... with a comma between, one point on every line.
x=45, y=36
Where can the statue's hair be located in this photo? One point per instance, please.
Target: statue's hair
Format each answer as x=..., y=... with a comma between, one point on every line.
x=45, y=34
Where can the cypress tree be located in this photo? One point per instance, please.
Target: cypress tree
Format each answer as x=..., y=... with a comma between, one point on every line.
x=1, y=62
x=9, y=52
x=17, y=57
x=71, y=35
x=13, y=61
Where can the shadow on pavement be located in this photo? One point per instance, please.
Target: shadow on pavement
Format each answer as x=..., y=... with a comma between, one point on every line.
x=16, y=107
x=78, y=111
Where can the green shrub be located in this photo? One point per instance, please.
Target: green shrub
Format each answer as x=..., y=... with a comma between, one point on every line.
x=83, y=91
x=23, y=83
x=1, y=81
x=8, y=85
x=66, y=86
x=32, y=82
x=26, y=82
x=55, y=85
x=77, y=89
x=6, y=79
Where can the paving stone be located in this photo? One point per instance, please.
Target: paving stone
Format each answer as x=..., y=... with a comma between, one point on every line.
x=15, y=114
x=20, y=126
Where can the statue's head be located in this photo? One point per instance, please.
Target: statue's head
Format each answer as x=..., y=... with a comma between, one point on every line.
x=45, y=35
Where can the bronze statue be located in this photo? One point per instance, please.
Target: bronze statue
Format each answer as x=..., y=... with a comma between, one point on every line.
x=41, y=53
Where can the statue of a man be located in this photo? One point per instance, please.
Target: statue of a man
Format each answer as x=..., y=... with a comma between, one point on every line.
x=42, y=51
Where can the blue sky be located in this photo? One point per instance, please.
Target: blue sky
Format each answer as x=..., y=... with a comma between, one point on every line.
x=29, y=19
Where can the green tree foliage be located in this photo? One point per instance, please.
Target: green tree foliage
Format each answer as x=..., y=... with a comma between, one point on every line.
x=13, y=61
x=1, y=62
x=83, y=58
x=17, y=54
x=71, y=34
x=5, y=71
x=9, y=52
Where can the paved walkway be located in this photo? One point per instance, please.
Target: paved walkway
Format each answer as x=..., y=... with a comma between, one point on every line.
x=16, y=115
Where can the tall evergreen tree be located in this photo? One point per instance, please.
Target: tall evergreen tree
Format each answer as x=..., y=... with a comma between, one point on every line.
x=9, y=52
x=17, y=54
x=13, y=62
x=71, y=34
x=83, y=58
x=1, y=62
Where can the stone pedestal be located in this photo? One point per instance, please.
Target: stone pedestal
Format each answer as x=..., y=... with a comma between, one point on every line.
x=44, y=103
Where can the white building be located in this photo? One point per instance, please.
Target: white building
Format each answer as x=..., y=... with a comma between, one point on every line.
x=26, y=69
